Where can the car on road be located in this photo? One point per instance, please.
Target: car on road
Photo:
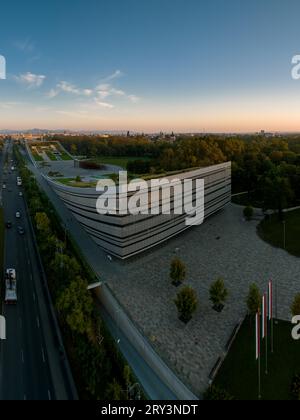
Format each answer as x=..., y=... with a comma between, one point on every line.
x=8, y=225
x=20, y=194
x=4, y=186
x=21, y=230
x=18, y=215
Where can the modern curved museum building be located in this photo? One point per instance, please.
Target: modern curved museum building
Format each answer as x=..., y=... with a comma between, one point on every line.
x=127, y=235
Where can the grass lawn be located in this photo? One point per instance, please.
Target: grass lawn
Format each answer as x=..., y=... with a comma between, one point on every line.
x=117, y=161
x=239, y=373
x=272, y=231
x=65, y=156
x=51, y=155
x=37, y=157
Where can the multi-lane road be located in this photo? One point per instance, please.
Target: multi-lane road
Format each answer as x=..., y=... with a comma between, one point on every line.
x=24, y=367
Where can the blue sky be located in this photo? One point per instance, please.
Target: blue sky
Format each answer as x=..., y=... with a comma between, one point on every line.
x=193, y=65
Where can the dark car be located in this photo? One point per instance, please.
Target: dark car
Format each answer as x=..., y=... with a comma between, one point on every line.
x=8, y=225
x=21, y=230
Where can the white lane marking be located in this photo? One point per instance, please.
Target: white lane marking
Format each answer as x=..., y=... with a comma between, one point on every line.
x=38, y=321
x=49, y=395
x=25, y=398
x=43, y=355
x=22, y=356
x=33, y=294
x=28, y=262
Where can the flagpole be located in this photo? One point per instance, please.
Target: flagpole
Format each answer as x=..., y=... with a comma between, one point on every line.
x=266, y=330
x=272, y=335
x=271, y=318
x=258, y=350
x=259, y=379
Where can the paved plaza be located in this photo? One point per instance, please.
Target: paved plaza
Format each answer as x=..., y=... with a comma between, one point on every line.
x=225, y=246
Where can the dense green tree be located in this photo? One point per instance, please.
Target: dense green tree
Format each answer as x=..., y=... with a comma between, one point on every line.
x=75, y=305
x=215, y=393
x=42, y=223
x=115, y=391
x=276, y=190
x=64, y=269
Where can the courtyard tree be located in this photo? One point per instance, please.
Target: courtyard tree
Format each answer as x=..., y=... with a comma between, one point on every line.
x=253, y=300
x=218, y=294
x=295, y=309
x=177, y=272
x=186, y=303
x=248, y=213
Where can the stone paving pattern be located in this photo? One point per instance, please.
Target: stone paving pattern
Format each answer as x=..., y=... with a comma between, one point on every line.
x=225, y=246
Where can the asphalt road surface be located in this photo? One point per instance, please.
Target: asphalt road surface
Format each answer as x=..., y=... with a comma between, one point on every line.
x=24, y=368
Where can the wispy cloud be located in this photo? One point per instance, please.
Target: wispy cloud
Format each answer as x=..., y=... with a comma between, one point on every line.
x=105, y=90
x=9, y=105
x=31, y=80
x=98, y=94
x=70, y=88
x=104, y=104
x=134, y=99
x=113, y=76
x=25, y=45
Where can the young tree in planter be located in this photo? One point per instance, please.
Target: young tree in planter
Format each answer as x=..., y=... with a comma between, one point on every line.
x=186, y=302
x=295, y=309
x=218, y=294
x=248, y=213
x=177, y=272
x=253, y=300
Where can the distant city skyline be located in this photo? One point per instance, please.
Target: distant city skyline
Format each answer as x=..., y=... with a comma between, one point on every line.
x=159, y=65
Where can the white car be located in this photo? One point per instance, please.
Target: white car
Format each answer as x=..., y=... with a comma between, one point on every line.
x=4, y=186
x=18, y=215
x=20, y=194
